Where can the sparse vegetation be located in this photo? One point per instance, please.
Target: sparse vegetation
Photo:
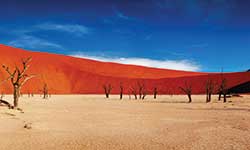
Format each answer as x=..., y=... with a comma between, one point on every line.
x=223, y=90
x=2, y=95
x=155, y=92
x=134, y=92
x=18, y=78
x=45, y=91
x=107, y=89
x=187, y=89
x=121, y=90
x=144, y=94
x=209, y=89
x=140, y=90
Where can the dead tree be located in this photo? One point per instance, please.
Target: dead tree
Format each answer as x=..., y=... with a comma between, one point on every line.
x=134, y=92
x=107, y=89
x=187, y=89
x=144, y=94
x=121, y=90
x=141, y=90
x=5, y=103
x=18, y=78
x=209, y=90
x=2, y=95
x=45, y=91
x=223, y=90
x=155, y=92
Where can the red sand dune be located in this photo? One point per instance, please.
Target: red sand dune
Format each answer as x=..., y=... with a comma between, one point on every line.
x=69, y=75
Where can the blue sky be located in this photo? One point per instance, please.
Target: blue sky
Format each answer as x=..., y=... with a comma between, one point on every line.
x=196, y=35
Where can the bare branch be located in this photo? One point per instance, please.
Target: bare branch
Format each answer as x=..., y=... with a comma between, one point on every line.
x=7, y=70
x=187, y=90
x=27, y=78
x=25, y=65
x=18, y=78
x=107, y=89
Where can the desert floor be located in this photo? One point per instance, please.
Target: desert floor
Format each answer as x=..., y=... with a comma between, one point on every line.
x=79, y=122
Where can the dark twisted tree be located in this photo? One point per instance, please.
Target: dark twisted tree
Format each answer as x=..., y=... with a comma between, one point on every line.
x=121, y=90
x=45, y=91
x=144, y=94
x=141, y=90
x=134, y=92
x=209, y=89
x=107, y=89
x=3, y=102
x=18, y=78
x=155, y=92
x=187, y=89
x=223, y=90
x=2, y=96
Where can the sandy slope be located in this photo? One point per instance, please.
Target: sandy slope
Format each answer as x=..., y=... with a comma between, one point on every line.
x=76, y=122
x=69, y=75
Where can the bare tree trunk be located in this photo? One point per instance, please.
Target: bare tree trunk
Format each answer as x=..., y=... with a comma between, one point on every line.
x=140, y=96
x=188, y=91
x=143, y=97
x=120, y=95
x=121, y=91
x=207, y=98
x=189, y=98
x=16, y=95
x=2, y=95
x=107, y=89
x=18, y=78
x=45, y=91
x=135, y=96
x=219, y=96
x=210, y=97
x=45, y=95
x=225, y=98
x=155, y=92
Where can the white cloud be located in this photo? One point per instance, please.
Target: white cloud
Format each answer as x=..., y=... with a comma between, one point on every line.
x=186, y=65
x=75, y=29
x=121, y=15
x=32, y=42
x=26, y=37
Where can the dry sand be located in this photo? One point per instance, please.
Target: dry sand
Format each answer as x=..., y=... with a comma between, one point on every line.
x=79, y=122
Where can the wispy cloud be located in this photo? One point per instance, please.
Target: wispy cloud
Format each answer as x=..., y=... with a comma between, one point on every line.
x=121, y=15
x=75, y=29
x=27, y=37
x=32, y=42
x=166, y=64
